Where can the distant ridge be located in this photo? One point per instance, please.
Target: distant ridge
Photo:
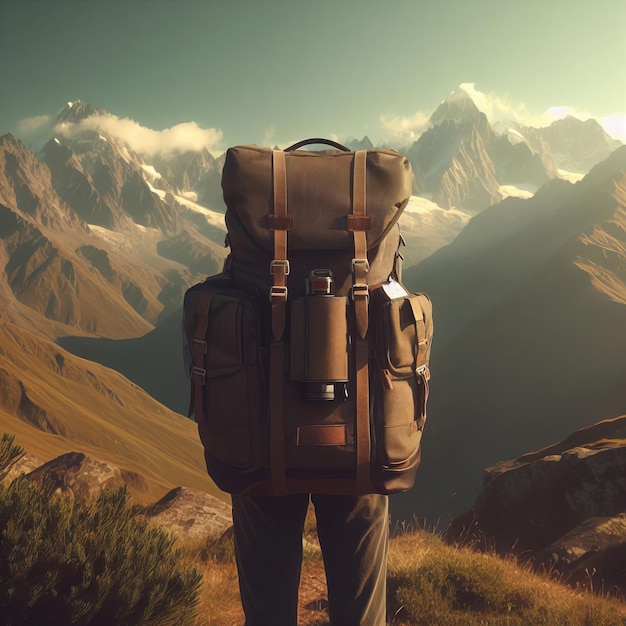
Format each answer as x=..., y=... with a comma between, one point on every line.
x=530, y=341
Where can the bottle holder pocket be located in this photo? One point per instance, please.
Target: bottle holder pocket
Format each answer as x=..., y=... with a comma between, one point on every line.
x=319, y=344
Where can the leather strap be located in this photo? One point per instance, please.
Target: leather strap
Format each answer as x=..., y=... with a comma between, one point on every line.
x=279, y=268
x=420, y=367
x=420, y=331
x=198, y=354
x=360, y=264
x=360, y=297
x=277, y=419
x=362, y=436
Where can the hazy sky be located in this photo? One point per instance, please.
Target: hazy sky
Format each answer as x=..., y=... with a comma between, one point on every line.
x=270, y=71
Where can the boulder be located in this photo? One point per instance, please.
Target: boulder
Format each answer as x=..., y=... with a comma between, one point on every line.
x=563, y=506
x=595, y=549
x=190, y=514
x=78, y=476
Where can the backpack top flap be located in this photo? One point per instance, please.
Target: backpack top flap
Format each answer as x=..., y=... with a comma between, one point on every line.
x=319, y=195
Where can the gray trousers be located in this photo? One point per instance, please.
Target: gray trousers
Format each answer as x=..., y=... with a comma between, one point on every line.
x=353, y=532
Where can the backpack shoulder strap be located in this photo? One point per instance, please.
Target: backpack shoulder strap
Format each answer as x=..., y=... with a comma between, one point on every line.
x=279, y=222
x=358, y=223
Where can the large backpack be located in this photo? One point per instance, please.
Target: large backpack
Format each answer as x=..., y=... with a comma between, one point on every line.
x=309, y=358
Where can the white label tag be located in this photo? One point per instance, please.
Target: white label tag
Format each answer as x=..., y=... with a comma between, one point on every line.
x=393, y=289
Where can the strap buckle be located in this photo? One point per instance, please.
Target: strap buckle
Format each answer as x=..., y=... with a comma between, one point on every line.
x=362, y=264
x=199, y=371
x=278, y=292
x=284, y=263
x=203, y=342
x=359, y=290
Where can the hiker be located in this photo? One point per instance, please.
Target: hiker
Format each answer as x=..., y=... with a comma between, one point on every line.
x=353, y=533
x=309, y=371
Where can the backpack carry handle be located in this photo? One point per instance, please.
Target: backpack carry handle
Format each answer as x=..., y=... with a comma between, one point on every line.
x=317, y=140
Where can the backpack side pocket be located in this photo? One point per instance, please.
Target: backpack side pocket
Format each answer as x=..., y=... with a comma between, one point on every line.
x=402, y=333
x=222, y=329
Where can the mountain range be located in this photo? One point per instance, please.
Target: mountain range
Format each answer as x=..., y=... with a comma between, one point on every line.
x=530, y=309
x=99, y=242
x=462, y=161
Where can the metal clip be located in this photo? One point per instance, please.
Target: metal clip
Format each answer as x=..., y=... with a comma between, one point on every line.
x=423, y=371
x=199, y=371
x=363, y=264
x=359, y=290
x=202, y=341
x=284, y=263
x=278, y=292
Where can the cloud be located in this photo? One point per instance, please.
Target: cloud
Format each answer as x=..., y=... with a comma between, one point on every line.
x=402, y=131
x=34, y=131
x=34, y=125
x=180, y=137
x=615, y=125
x=499, y=107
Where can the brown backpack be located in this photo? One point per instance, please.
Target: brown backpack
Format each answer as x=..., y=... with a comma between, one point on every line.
x=309, y=358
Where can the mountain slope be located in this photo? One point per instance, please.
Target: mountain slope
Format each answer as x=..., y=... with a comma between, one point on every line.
x=528, y=345
x=55, y=403
x=40, y=236
x=58, y=265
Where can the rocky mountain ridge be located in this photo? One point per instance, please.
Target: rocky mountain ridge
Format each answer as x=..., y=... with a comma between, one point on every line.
x=61, y=267
x=462, y=162
x=530, y=330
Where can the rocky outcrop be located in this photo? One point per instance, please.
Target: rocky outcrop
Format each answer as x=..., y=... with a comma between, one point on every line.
x=564, y=505
x=190, y=514
x=595, y=549
x=78, y=476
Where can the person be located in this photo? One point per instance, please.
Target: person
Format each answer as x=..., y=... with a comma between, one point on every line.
x=353, y=532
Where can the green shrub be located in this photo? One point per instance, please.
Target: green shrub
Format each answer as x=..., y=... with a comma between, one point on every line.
x=63, y=563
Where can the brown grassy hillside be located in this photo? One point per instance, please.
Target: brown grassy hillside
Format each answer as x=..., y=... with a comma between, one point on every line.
x=55, y=402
